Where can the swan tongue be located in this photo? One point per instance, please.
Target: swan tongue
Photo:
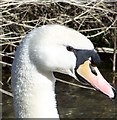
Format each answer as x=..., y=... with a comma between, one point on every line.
x=95, y=79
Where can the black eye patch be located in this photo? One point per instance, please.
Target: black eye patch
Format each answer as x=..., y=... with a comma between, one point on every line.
x=83, y=55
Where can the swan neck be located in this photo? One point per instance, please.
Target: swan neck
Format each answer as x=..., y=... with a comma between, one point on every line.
x=35, y=95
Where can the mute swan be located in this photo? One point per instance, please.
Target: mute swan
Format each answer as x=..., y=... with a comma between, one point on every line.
x=44, y=50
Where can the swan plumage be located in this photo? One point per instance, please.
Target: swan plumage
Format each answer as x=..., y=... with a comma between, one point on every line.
x=41, y=52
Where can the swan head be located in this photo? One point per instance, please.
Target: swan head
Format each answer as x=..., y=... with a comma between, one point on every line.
x=56, y=48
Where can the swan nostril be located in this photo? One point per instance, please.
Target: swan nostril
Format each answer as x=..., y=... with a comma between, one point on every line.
x=93, y=70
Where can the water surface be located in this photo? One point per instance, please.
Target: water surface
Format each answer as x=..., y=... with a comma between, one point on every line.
x=75, y=102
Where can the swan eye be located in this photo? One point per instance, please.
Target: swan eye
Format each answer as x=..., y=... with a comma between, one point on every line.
x=69, y=48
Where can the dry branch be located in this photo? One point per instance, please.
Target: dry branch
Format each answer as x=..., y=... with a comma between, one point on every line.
x=6, y=92
x=105, y=50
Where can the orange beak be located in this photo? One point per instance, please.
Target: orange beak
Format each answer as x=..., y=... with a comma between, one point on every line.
x=96, y=80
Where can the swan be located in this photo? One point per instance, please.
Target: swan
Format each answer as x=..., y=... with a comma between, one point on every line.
x=48, y=49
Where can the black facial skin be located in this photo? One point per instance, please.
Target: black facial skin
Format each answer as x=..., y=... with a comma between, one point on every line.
x=83, y=55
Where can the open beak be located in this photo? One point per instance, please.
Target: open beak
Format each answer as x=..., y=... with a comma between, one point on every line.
x=88, y=73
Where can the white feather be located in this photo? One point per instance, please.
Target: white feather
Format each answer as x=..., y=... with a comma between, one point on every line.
x=40, y=53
